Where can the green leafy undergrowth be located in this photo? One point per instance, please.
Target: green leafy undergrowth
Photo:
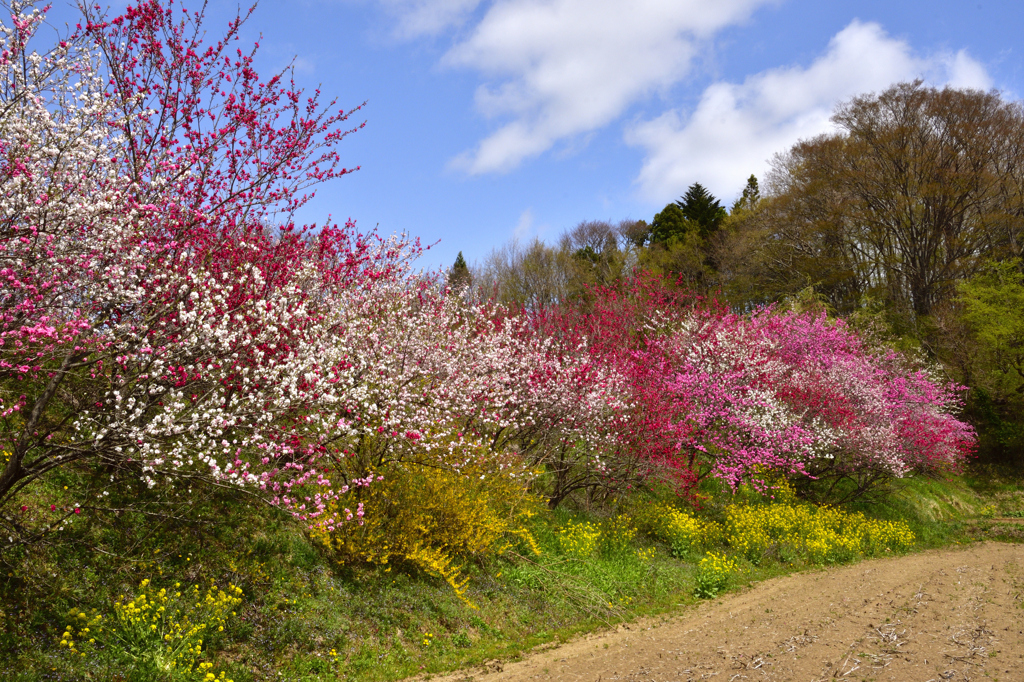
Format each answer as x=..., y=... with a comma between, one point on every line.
x=302, y=616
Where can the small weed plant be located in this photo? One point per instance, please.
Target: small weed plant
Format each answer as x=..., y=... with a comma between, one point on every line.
x=160, y=633
x=712, y=576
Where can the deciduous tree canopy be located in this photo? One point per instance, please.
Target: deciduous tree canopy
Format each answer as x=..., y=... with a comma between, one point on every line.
x=914, y=193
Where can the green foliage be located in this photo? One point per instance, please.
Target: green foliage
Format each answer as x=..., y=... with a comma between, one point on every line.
x=993, y=306
x=992, y=356
x=684, y=241
x=862, y=212
x=748, y=200
x=533, y=276
x=459, y=276
x=670, y=223
x=595, y=256
x=702, y=209
x=682, y=259
x=635, y=233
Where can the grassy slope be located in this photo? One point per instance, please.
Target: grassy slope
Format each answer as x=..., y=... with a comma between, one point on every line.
x=380, y=623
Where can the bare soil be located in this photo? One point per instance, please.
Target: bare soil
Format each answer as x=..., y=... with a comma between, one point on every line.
x=952, y=614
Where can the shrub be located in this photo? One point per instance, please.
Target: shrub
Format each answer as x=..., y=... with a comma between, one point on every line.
x=771, y=392
x=580, y=540
x=684, y=533
x=432, y=518
x=817, y=535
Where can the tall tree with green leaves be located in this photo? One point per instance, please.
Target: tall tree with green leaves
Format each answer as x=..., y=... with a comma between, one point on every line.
x=915, y=192
x=669, y=223
x=991, y=306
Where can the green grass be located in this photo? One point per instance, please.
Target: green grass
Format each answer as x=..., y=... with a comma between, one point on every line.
x=304, y=617
x=299, y=606
x=934, y=508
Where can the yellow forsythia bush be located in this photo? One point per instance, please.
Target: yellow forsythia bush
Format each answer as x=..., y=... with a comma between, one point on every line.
x=432, y=517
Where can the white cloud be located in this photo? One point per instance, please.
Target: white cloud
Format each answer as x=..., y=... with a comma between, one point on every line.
x=428, y=17
x=303, y=65
x=736, y=128
x=964, y=72
x=566, y=67
x=524, y=228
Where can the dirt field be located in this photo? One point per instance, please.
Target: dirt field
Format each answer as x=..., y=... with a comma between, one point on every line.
x=938, y=615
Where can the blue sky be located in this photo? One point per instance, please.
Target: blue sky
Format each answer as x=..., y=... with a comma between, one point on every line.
x=488, y=119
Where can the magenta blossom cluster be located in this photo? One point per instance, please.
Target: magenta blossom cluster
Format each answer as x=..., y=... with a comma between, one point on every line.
x=749, y=397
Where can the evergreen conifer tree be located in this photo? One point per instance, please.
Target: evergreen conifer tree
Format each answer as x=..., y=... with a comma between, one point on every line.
x=699, y=206
x=751, y=195
x=459, y=276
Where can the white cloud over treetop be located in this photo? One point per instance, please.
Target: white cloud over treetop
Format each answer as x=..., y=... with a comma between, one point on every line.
x=736, y=127
x=565, y=67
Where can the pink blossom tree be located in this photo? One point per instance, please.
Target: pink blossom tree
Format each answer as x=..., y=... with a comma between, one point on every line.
x=152, y=322
x=749, y=397
x=166, y=333
x=163, y=322
x=436, y=381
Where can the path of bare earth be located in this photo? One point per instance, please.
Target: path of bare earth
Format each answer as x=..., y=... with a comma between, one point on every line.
x=952, y=614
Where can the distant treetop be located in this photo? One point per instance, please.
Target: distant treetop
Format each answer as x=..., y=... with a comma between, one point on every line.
x=751, y=195
x=699, y=206
x=459, y=276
